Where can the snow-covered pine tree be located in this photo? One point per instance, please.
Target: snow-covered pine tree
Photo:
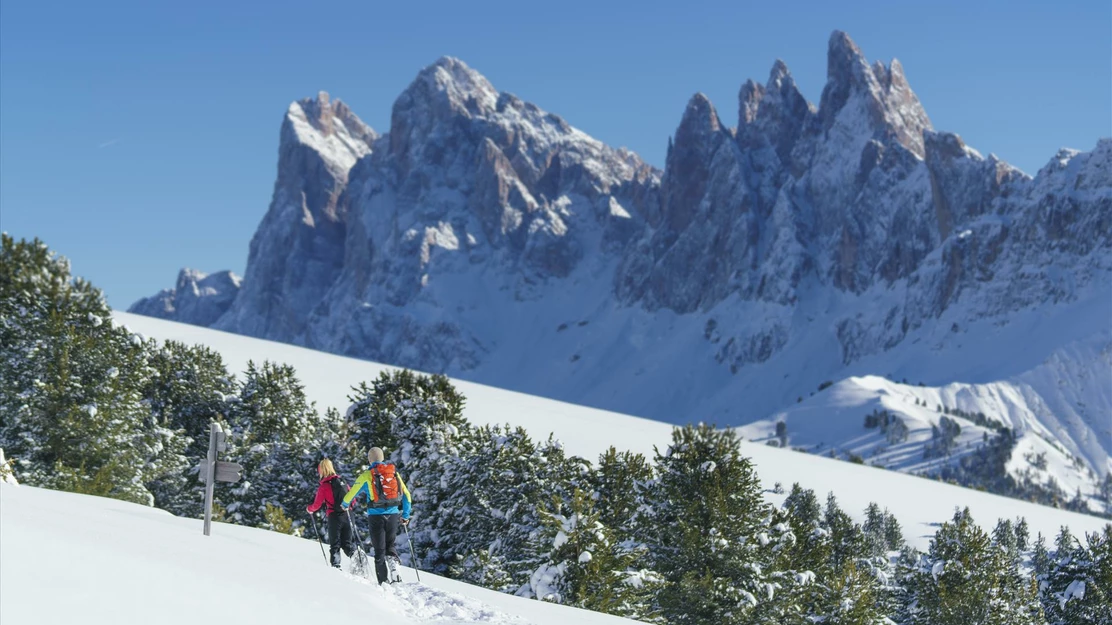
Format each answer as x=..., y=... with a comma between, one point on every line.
x=893, y=533
x=847, y=539
x=404, y=413
x=330, y=442
x=1004, y=538
x=1020, y=590
x=587, y=567
x=708, y=520
x=1064, y=542
x=490, y=523
x=418, y=420
x=793, y=556
x=1022, y=534
x=620, y=482
x=1040, y=562
x=187, y=389
x=274, y=428
x=70, y=403
x=876, y=543
x=849, y=585
x=965, y=579
x=802, y=506
x=1079, y=585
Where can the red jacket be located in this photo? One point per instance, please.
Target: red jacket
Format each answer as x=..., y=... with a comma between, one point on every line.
x=324, y=496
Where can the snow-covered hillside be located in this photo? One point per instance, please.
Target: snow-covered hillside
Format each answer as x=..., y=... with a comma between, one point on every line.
x=900, y=427
x=919, y=504
x=71, y=558
x=488, y=239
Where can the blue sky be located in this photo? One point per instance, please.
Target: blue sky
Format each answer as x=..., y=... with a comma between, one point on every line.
x=137, y=138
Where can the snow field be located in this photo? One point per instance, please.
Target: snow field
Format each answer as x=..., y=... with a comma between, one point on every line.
x=70, y=558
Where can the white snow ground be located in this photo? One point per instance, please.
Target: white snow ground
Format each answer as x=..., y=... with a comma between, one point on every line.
x=919, y=504
x=71, y=558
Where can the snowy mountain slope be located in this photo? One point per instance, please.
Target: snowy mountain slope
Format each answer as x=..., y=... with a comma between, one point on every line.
x=919, y=504
x=1046, y=452
x=487, y=239
x=72, y=558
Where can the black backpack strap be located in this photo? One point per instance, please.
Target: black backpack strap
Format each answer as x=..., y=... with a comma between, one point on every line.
x=338, y=494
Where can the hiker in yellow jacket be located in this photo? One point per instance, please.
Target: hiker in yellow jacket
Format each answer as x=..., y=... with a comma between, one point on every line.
x=388, y=505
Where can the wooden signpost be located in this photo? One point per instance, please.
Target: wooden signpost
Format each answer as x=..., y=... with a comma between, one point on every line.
x=216, y=470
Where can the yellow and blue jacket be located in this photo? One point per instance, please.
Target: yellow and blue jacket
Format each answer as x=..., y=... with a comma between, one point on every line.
x=363, y=484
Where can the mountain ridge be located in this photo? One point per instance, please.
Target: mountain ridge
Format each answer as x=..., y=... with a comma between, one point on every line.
x=484, y=237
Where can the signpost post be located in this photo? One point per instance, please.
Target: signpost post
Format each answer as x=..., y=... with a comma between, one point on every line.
x=217, y=471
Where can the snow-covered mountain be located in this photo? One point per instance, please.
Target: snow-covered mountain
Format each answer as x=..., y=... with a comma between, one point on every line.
x=199, y=297
x=488, y=239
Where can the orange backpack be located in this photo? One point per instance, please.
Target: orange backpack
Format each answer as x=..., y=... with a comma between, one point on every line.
x=388, y=491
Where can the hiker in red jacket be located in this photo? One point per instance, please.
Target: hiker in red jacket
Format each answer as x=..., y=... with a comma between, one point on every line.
x=330, y=492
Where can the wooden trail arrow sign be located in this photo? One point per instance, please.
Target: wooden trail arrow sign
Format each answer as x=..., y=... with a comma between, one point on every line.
x=228, y=472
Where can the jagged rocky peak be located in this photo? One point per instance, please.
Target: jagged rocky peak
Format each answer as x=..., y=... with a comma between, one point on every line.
x=445, y=90
x=1094, y=169
x=880, y=93
x=450, y=110
x=327, y=127
x=700, y=119
x=773, y=113
x=689, y=161
x=453, y=81
x=196, y=298
x=326, y=116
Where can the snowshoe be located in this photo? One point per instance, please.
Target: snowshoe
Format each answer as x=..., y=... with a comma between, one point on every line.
x=393, y=566
x=361, y=564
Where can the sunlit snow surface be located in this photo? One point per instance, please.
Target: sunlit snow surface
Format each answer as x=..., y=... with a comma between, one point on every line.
x=70, y=558
x=919, y=504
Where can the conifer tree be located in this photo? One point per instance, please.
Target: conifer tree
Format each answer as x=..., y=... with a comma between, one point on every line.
x=1079, y=585
x=274, y=430
x=854, y=576
x=71, y=415
x=858, y=598
x=803, y=508
x=847, y=539
x=965, y=579
x=490, y=522
x=707, y=526
x=796, y=556
x=876, y=542
x=188, y=388
x=1022, y=534
x=620, y=481
x=587, y=567
x=1040, y=560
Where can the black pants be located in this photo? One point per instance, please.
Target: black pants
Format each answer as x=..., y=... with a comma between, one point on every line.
x=339, y=537
x=384, y=530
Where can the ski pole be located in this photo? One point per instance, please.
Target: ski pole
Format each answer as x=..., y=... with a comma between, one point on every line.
x=316, y=530
x=412, y=553
x=352, y=523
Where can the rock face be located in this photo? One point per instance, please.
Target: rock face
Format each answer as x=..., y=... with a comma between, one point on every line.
x=469, y=182
x=197, y=298
x=488, y=239
x=298, y=249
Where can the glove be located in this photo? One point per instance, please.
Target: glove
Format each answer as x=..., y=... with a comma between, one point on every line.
x=405, y=522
